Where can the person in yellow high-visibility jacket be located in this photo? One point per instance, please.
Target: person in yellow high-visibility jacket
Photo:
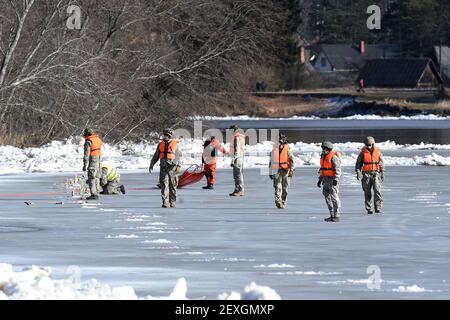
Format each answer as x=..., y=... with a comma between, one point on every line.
x=110, y=180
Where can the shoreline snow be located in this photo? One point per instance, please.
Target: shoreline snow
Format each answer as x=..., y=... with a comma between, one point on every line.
x=66, y=156
x=313, y=118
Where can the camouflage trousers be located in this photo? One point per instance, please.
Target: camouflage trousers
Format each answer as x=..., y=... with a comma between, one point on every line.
x=238, y=176
x=372, y=180
x=331, y=194
x=168, y=180
x=281, y=181
x=94, y=175
x=112, y=187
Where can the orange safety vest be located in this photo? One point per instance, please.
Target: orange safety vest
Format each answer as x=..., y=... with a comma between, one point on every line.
x=167, y=149
x=371, y=160
x=213, y=146
x=326, y=167
x=280, y=159
x=241, y=138
x=96, y=145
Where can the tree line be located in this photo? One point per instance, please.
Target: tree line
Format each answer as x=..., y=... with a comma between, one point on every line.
x=133, y=67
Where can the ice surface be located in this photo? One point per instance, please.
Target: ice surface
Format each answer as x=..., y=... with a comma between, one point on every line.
x=220, y=244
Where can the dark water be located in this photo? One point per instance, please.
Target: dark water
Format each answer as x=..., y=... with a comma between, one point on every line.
x=400, y=131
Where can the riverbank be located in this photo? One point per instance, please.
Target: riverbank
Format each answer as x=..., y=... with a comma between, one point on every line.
x=339, y=102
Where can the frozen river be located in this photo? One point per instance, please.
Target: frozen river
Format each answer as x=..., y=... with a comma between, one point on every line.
x=221, y=244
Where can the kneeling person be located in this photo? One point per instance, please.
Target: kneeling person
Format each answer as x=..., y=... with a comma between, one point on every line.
x=110, y=180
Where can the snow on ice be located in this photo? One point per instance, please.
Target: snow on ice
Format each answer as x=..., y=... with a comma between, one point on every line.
x=252, y=292
x=35, y=283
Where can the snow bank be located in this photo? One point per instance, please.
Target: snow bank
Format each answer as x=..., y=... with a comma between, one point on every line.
x=66, y=156
x=34, y=283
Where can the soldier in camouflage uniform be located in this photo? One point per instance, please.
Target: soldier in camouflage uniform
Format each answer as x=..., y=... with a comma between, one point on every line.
x=110, y=180
x=370, y=171
x=91, y=161
x=330, y=173
x=169, y=156
x=237, y=150
x=281, y=168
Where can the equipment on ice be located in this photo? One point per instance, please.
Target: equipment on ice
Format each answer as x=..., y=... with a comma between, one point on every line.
x=77, y=186
x=192, y=174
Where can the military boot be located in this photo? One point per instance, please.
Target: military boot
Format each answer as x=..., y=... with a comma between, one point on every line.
x=335, y=219
x=173, y=205
x=209, y=187
x=369, y=212
x=329, y=219
x=240, y=193
x=234, y=193
x=92, y=197
x=164, y=205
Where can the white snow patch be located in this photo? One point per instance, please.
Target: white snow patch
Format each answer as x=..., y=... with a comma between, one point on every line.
x=160, y=248
x=414, y=289
x=359, y=282
x=157, y=241
x=122, y=236
x=252, y=292
x=157, y=231
x=275, y=265
x=238, y=260
x=190, y=253
x=304, y=273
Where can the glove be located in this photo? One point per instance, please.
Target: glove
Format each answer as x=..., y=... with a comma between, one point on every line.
x=335, y=182
x=359, y=175
x=291, y=173
x=319, y=183
x=232, y=164
x=271, y=176
x=382, y=176
x=150, y=169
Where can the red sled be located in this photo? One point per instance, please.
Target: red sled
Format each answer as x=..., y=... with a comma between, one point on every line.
x=191, y=175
